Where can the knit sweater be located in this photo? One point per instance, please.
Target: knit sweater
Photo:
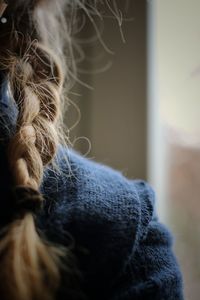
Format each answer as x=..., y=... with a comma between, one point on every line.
x=122, y=250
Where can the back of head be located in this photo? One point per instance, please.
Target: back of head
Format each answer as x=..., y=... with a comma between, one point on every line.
x=30, y=32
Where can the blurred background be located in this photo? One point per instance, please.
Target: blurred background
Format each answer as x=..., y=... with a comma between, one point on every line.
x=139, y=99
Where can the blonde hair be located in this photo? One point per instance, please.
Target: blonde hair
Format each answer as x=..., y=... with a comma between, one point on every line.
x=30, y=266
x=38, y=80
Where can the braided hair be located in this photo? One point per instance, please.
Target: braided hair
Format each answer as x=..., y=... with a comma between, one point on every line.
x=30, y=264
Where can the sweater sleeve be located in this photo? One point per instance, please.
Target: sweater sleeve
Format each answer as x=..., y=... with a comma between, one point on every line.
x=152, y=271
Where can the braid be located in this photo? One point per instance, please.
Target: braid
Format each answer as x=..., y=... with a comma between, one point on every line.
x=35, y=142
x=36, y=84
x=30, y=266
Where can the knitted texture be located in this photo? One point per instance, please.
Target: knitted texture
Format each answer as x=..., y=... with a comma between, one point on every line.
x=122, y=250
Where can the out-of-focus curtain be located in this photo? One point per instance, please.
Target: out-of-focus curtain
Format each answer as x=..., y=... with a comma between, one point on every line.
x=176, y=65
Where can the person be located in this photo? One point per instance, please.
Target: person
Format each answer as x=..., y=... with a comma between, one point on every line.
x=71, y=228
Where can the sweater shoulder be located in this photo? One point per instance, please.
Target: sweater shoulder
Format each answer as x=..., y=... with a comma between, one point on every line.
x=108, y=216
x=89, y=198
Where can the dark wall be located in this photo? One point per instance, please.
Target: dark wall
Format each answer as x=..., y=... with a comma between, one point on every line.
x=114, y=112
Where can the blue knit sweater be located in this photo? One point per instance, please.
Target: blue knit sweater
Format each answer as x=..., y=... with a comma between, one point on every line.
x=121, y=248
